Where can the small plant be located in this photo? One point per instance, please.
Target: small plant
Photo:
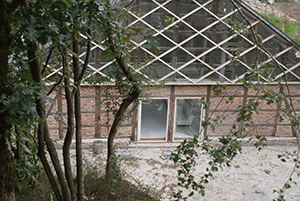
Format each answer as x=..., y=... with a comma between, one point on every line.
x=99, y=186
x=40, y=190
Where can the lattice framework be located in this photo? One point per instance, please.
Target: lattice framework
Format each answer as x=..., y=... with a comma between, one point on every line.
x=217, y=42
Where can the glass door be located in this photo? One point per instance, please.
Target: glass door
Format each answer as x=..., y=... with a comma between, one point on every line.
x=188, y=118
x=153, y=119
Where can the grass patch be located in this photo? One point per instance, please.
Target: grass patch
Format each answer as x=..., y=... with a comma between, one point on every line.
x=285, y=25
x=297, y=40
x=97, y=188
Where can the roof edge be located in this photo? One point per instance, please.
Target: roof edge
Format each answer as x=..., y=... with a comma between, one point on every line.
x=267, y=23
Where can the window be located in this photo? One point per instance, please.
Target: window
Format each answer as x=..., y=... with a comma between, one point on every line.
x=188, y=118
x=153, y=119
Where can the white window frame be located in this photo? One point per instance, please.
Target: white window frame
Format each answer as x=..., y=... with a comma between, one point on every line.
x=139, y=139
x=200, y=137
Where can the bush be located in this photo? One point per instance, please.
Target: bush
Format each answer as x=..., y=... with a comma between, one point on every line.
x=97, y=187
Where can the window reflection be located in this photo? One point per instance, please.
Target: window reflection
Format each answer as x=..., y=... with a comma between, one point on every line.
x=188, y=118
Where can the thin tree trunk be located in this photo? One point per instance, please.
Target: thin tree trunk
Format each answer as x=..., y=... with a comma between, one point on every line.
x=114, y=128
x=43, y=135
x=134, y=94
x=42, y=156
x=79, y=158
x=70, y=129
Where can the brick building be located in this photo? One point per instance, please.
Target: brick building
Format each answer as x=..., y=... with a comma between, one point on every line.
x=207, y=42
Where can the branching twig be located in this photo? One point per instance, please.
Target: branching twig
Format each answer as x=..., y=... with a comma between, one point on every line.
x=55, y=85
x=47, y=61
x=289, y=93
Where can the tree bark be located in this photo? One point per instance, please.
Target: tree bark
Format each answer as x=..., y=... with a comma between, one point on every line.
x=79, y=158
x=43, y=134
x=134, y=94
x=70, y=129
x=7, y=168
x=114, y=128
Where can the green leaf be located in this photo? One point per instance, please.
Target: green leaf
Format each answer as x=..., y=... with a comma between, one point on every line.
x=109, y=55
x=138, y=30
x=67, y=3
x=27, y=75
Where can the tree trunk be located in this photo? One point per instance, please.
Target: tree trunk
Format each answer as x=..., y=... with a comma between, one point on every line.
x=114, y=128
x=79, y=158
x=134, y=94
x=43, y=134
x=7, y=169
x=70, y=129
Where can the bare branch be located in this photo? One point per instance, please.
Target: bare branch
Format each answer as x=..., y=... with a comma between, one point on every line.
x=54, y=86
x=86, y=62
x=47, y=61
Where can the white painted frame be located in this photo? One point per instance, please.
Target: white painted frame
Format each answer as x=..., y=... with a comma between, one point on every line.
x=200, y=137
x=140, y=118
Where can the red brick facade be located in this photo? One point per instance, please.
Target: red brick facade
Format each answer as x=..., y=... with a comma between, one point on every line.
x=94, y=117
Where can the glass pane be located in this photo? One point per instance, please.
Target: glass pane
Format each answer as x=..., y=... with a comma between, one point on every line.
x=188, y=118
x=154, y=119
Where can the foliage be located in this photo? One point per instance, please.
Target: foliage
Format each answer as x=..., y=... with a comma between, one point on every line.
x=43, y=29
x=284, y=24
x=96, y=188
x=297, y=40
x=124, y=86
x=22, y=117
x=41, y=190
x=230, y=146
x=40, y=28
x=100, y=187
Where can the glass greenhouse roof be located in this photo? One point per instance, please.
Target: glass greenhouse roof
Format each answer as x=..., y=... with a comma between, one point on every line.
x=207, y=40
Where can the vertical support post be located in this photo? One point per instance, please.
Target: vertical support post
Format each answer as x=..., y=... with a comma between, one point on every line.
x=138, y=56
x=97, y=112
x=174, y=57
x=288, y=107
x=134, y=122
x=241, y=124
x=208, y=95
x=172, y=114
x=203, y=58
x=284, y=62
x=138, y=38
x=276, y=117
x=250, y=55
x=223, y=58
x=213, y=34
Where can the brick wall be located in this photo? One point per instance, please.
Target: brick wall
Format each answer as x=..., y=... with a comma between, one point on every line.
x=94, y=115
